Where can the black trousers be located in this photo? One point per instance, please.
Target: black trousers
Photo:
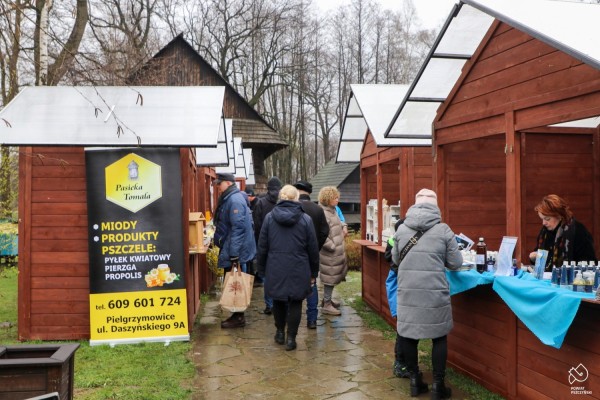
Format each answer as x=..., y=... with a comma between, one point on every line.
x=287, y=313
x=439, y=354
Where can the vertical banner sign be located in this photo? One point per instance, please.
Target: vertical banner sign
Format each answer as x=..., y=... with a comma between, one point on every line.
x=137, y=287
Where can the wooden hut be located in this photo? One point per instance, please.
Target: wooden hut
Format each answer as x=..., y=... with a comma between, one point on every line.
x=54, y=280
x=391, y=172
x=179, y=64
x=346, y=178
x=518, y=120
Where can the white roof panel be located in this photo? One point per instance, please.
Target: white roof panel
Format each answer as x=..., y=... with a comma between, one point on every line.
x=216, y=156
x=250, y=180
x=230, y=168
x=240, y=162
x=566, y=25
x=371, y=108
x=114, y=116
x=456, y=43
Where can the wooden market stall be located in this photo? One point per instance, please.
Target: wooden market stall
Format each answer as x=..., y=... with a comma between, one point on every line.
x=179, y=64
x=54, y=282
x=392, y=171
x=520, y=121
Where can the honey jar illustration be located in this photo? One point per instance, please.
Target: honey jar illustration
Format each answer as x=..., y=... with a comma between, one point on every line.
x=163, y=271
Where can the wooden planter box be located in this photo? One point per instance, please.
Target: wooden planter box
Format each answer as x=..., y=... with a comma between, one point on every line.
x=33, y=370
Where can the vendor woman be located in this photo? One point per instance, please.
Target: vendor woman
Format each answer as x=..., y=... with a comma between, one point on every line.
x=565, y=238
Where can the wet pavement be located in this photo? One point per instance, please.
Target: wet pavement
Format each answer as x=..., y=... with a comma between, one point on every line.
x=341, y=359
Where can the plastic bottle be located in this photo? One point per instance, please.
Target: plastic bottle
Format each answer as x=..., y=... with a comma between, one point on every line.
x=515, y=269
x=563, y=275
x=481, y=254
x=588, y=277
x=491, y=264
x=578, y=283
x=555, y=282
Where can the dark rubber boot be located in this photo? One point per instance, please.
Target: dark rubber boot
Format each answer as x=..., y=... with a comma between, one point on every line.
x=280, y=336
x=291, y=342
x=417, y=386
x=439, y=390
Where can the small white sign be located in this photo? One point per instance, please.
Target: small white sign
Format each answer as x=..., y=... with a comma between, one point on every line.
x=504, y=261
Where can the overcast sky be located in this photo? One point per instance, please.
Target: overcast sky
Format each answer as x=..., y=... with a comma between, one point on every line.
x=431, y=12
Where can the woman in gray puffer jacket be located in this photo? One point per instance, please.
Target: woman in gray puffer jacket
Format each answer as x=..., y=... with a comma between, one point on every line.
x=332, y=257
x=424, y=309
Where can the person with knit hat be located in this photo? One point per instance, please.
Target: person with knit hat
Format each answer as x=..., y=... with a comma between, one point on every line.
x=263, y=206
x=424, y=310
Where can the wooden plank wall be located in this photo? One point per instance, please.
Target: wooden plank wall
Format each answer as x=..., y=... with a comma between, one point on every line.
x=475, y=189
x=560, y=164
x=479, y=343
x=53, y=243
x=54, y=277
x=543, y=371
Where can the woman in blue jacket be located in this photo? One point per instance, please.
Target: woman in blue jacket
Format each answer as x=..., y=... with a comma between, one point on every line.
x=288, y=256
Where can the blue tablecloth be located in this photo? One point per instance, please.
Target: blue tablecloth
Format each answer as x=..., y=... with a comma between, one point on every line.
x=547, y=311
x=464, y=280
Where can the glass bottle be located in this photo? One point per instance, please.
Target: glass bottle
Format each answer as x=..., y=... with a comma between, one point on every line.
x=481, y=255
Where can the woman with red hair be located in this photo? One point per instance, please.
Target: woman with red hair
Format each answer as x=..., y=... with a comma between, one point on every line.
x=565, y=238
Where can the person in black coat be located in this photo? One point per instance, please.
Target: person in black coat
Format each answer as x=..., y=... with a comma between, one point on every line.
x=317, y=215
x=263, y=206
x=288, y=256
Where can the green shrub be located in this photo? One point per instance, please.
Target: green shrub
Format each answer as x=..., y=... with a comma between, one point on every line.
x=353, y=251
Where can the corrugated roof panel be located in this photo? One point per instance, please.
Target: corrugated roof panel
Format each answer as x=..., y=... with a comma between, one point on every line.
x=186, y=116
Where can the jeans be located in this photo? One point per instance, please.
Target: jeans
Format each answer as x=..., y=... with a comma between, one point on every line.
x=268, y=300
x=312, y=302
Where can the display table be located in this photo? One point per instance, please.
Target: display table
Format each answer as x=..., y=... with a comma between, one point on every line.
x=521, y=338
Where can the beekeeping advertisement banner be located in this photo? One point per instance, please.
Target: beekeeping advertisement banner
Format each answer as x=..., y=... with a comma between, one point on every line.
x=137, y=287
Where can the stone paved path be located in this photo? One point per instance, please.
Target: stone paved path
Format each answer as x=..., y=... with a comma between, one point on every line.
x=341, y=359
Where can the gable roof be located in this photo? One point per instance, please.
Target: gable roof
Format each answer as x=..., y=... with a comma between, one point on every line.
x=371, y=107
x=247, y=122
x=331, y=174
x=568, y=26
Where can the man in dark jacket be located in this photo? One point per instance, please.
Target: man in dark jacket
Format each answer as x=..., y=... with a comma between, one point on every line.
x=263, y=206
x=233, y=234
x=317, y=215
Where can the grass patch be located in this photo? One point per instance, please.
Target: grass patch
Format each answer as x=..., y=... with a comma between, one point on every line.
x=138, y=371
x=8, y=304
x=129, y=372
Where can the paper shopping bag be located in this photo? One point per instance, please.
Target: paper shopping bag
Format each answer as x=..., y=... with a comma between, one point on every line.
x=237, y=291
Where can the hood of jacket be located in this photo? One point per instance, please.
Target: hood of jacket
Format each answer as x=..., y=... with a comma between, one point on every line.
x=421, y=217
x=287, y=212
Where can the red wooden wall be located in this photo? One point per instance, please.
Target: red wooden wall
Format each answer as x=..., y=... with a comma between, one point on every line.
x=53, y=243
